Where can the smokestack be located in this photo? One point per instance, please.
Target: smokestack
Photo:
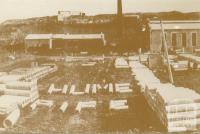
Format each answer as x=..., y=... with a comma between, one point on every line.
x=119, y=23
x=119, y=8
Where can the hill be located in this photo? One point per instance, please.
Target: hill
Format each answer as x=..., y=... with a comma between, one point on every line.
x=49, y=24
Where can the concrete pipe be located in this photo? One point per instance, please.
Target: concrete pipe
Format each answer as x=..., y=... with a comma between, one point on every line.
x=94, y=88
x=11, y=119
x=87, y=89
x=51, y=88
x=64, y=107
x=17, y=92
x=65, y=88
x=111, y=88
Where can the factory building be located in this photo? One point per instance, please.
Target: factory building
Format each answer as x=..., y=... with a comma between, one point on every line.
x=73, y=43
x=66, y=16
x=179, y=34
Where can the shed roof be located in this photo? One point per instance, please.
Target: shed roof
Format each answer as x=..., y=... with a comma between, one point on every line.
x=64, y=36
x=172, y=25
x=38, y=36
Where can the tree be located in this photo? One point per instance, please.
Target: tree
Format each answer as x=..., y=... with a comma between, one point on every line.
x=17, y=40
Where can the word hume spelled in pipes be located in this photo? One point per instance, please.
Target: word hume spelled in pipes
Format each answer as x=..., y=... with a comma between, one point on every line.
x=92, y=88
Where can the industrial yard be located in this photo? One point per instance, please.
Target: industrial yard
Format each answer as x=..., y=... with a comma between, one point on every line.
x=100, y=119
x=139, y=117
x=78, y=73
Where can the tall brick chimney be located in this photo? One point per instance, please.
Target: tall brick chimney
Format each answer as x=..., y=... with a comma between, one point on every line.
x=119, y=25
x=119, y=8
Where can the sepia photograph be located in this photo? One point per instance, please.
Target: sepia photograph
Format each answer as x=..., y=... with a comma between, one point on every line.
x=100, y=66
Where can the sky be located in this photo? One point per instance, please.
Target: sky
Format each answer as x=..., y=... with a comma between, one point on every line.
x=20, y=9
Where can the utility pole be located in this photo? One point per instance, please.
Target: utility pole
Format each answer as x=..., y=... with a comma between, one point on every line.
x=119, y=25
x=166, y=52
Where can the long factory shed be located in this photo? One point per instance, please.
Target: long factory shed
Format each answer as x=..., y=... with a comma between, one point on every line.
x=58, y=41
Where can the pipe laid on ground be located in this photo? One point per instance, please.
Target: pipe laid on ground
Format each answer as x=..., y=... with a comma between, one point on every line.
x=119, y=108
x=51, y=88
x=11, y=119
x=123, y=84
x=65, y=89
x=106, y=86
x=99, y=87
x=87, y=89
x=94, y=88
x=34, y=105
x=89, y=104
x=57, y=90
x=64, y=106
x=110, y=87
x=47, y=103
x=72, y=89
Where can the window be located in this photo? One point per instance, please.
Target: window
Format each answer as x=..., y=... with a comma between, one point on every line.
x=174, y=39
x=194, y=39
x=184, y=39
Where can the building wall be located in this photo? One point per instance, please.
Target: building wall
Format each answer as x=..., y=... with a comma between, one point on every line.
x=64, y=15
x=69, y=46
x=156, y=39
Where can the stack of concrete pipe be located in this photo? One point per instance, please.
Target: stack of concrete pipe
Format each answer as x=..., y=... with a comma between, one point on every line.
x=20, y=88
x=9, y=109
x=22, y=85
x=40, y=72
x=7, y=105
x=2, y=74
x=28, y=92
x=18, y=93
x=121, y=63
x=178, y=108
x=140, y=71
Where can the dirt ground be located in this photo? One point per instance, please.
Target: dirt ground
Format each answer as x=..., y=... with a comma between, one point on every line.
x=139, y=117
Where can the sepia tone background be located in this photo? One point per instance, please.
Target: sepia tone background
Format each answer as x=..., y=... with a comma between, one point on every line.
x=82, y=40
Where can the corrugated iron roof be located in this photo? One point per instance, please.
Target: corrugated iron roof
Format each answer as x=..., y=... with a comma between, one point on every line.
x=170, y=25
x=63, y=36
x=38, y=36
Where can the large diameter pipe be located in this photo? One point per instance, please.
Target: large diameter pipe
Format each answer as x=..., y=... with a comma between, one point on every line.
x=11, y=119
